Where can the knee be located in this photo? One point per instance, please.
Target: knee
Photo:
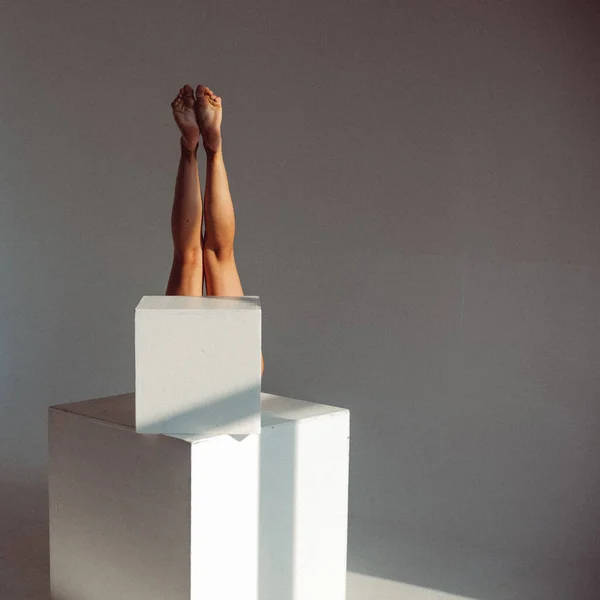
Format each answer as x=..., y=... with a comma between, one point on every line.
x=218, y=254
x=189, y=257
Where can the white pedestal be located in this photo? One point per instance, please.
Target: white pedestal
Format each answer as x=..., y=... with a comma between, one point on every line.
x=152, y=517
x=148, y=517
x=197, y=364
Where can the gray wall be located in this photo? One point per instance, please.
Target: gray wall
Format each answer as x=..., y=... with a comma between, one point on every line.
x=416, y=191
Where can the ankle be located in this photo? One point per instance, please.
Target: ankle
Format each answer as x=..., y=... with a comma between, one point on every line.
x=187, y=147
x=212, y=141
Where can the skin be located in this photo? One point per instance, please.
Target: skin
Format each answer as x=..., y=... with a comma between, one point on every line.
x=198, y=260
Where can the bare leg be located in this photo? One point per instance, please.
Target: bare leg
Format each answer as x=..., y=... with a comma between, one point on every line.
x=220, y=270
x=185, y=278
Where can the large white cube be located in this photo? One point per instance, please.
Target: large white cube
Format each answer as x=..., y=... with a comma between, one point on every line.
x=198, y=364
x=148, y=517
x=135, y=516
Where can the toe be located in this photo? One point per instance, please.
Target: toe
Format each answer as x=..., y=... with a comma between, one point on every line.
x=200, y=90
x=187, y=96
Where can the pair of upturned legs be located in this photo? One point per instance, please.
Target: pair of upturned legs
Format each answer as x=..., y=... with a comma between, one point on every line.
x=198, y=258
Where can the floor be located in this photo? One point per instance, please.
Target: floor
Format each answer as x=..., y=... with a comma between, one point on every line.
x=386, y=562
x=365, y=587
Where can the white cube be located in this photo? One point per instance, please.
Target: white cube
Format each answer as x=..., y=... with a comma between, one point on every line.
x=198, y=365
x=136, y=516
x=149, y=517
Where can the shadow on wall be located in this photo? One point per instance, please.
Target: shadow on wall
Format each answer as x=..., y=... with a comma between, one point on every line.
x=24, y=564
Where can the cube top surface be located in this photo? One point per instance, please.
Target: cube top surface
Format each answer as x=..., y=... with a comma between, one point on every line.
x=177, y=303
x=277, y=410
x=119, y=411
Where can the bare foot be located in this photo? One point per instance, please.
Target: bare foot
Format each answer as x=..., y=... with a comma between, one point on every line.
x=209, y=114
x=183, y=111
